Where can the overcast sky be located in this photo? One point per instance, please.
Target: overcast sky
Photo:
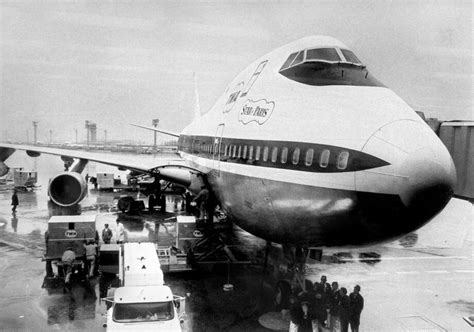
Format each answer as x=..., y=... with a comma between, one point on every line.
x=117, y=62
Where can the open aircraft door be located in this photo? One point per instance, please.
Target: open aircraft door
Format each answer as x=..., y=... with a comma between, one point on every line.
x=217, y=147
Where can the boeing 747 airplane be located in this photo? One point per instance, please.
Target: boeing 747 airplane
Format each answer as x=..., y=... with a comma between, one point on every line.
x=305, y=148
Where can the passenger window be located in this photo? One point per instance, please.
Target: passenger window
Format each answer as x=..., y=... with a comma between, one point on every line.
x=254, y=78
x=296, y=156
x=239, y=152
x=244, y=154
x=265, y=153
x=251, y=152
x=309, y=157
x=234, y=151
x=257, y=153
x=342, y=159
x=274, y=154
x=324, y=159
x=226, y=151
x=284, y=155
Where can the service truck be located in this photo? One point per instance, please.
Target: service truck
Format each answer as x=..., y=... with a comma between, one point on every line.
x=143, y=301
x=67, y=232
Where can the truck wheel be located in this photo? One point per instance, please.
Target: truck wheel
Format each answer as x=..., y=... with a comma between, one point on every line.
x=282, y=295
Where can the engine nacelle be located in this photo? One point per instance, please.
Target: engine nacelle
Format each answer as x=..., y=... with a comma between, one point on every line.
x=67, y=189
x=3, y=168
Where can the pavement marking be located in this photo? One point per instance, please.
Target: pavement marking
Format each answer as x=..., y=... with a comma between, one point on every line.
x=464, y=271
x=438, y=272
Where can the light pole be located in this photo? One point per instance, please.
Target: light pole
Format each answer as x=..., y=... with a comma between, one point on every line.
x=35, y=125
x=87, y=128
x=155, y=123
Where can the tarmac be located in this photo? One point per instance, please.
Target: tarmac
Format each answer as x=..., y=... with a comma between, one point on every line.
x=423, y=282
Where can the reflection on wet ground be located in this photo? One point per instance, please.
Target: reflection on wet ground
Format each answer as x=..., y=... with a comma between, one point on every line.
x=77, y=303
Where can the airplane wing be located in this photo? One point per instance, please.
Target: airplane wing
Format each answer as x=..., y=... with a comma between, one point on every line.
x=171, y=169
x=170, y=133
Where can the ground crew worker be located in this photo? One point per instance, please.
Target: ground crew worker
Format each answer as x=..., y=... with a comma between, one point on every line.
x=68, y=258
x=343, y=307
x=120, y=232
x=14, y=201
x=355, y=309
x=201, y=200
x=106, y=234
x=91, y=253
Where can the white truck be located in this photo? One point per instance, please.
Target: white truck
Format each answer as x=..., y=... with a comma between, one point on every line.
x=143, y=302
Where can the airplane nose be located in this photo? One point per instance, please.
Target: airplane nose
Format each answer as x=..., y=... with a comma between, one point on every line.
x=421, y=170
x=430, y=176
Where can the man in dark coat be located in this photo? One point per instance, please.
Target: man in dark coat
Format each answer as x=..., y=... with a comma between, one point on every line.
x=302, y=315
x=14, y=201
x=333, y=304
x=343, y=308
x=355, y=309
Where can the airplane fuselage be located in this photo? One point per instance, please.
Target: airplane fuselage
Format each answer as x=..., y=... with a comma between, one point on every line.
x=306, y=148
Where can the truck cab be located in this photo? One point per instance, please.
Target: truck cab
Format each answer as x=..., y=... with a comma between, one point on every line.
x=143, y=301
x=139, y=308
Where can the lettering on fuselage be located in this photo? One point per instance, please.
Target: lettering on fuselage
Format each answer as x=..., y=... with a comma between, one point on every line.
x=258, y=111
x=233, y=97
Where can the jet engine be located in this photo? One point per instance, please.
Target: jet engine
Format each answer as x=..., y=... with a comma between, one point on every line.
x=67, y=189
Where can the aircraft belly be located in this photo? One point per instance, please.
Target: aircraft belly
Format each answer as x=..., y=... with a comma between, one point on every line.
x=307, y=215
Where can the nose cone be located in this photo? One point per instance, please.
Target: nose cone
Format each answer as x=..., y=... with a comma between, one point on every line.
x=430, y=177
x=421, y=172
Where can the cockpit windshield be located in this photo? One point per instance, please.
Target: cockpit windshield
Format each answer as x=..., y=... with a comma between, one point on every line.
x=327, y=66
x=328, y=54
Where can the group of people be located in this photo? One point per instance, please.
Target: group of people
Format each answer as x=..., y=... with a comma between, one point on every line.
x=326, y=306
x=107, y=233
x=90, y=252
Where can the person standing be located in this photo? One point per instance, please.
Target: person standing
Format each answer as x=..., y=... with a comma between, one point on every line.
x=202, y=201
x=68, y=258
x=106, y=234
x=355, y=309
x=91, y=254
x=302, y=316
x=14, y=201
x=343, y=307
x=333, y=305
x=120, y=232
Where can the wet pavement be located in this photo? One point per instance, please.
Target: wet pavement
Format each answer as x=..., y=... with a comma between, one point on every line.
x=421, y=282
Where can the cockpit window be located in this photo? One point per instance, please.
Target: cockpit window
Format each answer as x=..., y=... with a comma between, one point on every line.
x=289, y=60
x=328, y=54
x=299, y=58
x=350, y=57
x=327, y=66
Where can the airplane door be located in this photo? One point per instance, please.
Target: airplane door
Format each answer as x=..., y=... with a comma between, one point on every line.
x=217, y=147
